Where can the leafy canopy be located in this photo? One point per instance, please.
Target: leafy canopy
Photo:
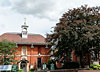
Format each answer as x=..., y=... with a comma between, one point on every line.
x=7, y=51
x=79, y=30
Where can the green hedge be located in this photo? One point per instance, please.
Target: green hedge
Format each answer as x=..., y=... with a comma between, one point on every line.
x=94, y=67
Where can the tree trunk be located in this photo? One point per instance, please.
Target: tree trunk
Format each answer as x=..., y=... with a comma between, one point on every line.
x=81, y=61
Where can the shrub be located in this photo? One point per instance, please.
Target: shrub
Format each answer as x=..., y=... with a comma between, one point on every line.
x=48, y=63
x=31, y=70
x=94, y=67
x=20, y=70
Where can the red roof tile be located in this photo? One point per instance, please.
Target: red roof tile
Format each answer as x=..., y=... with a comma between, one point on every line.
x=16, y=37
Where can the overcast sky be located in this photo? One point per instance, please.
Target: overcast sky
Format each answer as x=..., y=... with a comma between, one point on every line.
x=41, y=15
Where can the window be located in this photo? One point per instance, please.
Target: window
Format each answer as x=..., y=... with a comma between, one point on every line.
x=24, y=50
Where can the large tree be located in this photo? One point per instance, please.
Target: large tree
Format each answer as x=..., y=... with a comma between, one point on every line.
x=7, y=52
x=79, y=30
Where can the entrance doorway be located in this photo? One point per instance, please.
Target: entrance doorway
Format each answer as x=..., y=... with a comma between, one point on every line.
x=23, y=66
x=39, y=62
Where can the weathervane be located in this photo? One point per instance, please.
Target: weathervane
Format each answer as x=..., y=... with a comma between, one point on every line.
x=24, y=21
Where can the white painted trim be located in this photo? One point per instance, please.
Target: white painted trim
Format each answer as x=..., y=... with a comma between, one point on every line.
x=38, y=55
x=33, y=55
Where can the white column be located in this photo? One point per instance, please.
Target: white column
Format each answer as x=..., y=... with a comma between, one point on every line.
x=27, y=67
x=19, y=65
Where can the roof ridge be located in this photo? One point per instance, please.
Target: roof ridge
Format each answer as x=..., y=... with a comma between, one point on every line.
x=12, y=33
x=16, y=37
x=33, y=34
x=20, y=33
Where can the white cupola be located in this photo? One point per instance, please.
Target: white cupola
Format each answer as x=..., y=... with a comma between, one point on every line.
x=24, y=30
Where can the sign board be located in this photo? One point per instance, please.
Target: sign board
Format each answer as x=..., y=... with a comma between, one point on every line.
x=44, y=66
x=14, y=68
x=52, y=66
x=5, y=67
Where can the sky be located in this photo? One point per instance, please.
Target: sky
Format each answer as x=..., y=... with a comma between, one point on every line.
x=41, y=15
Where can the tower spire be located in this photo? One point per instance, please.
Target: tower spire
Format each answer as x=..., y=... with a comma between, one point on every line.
x=24, y=21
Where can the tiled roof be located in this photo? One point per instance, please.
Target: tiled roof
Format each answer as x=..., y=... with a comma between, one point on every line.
x=16, y=37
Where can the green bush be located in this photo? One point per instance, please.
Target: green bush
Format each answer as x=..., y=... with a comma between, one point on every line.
x=94, y=67
x=48, y=63
x=31, y=70
x=20, y=70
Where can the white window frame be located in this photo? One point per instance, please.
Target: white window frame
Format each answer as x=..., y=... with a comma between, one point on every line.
x=23, y=47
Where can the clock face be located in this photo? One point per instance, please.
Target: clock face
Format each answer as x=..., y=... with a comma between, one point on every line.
x=24, y=32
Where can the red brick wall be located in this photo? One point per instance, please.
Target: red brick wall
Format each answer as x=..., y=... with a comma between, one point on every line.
x=34, y=51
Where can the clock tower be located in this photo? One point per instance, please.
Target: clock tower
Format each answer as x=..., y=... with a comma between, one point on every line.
x=24, y=30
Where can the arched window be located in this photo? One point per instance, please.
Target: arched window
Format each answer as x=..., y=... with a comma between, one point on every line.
x=24, y=50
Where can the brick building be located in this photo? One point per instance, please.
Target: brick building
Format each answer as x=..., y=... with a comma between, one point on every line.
x=32, y=48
